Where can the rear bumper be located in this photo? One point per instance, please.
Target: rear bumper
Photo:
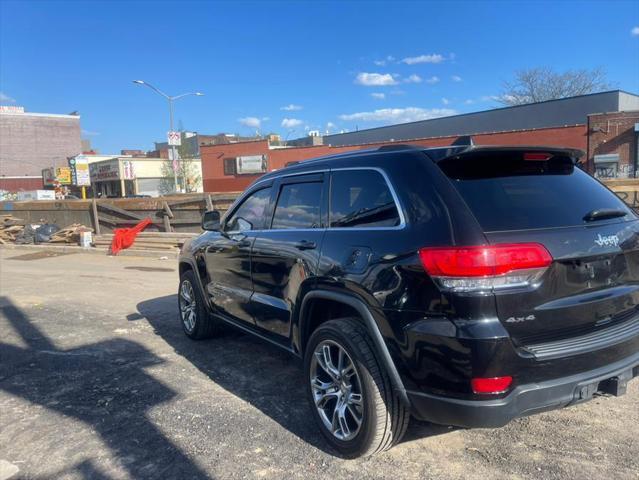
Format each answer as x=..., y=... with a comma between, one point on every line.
x=526, y=399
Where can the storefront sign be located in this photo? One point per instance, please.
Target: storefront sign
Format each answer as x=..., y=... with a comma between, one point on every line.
x=80, y=171
x=104, y=171
x=61, y=176
x=127, y=170
x=251, y=164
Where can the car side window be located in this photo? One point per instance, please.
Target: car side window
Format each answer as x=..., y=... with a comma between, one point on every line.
x=250, y=214
x=298, y=206
x=361, y=198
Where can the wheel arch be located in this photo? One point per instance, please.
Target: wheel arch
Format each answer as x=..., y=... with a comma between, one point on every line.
x=189, y=264
x=356, y=305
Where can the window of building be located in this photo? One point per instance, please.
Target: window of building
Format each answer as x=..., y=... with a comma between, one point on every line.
x=230, y=166
x=298, y=206
x=361, y=198
x=250, y=214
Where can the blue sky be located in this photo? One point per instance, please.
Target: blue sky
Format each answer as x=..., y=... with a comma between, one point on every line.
x=292, y=66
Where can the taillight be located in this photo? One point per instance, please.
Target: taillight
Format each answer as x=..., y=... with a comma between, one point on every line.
x=481, y=268
x=491, y=386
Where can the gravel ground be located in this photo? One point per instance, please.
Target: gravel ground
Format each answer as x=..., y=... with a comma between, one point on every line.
x=97, y=381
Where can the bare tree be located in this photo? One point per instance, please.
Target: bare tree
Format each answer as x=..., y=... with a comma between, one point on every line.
x=543, y=83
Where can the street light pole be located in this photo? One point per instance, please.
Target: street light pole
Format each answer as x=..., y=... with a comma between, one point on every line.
x=170, y=99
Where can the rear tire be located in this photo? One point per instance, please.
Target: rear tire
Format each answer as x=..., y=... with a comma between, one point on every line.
x=196, y=321
x=351, y=395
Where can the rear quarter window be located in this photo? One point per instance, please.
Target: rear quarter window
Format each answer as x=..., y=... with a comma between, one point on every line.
x=361, y=198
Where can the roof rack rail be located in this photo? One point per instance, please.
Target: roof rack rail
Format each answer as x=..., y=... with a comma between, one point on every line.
x=399, y=146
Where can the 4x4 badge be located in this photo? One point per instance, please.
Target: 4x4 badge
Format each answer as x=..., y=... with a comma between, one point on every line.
x=520, y=319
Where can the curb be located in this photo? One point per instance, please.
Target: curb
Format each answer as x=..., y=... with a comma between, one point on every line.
x=93, y=251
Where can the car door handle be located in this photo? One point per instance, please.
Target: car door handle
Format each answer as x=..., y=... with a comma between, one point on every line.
x=305, y=245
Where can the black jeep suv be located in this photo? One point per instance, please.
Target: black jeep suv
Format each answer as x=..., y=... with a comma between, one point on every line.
x=462, y=285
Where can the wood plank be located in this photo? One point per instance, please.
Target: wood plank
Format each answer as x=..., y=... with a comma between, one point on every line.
x=121, y=211
x=186, y=201
x=96, y=217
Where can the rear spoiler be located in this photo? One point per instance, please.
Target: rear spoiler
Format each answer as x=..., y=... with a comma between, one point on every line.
x=439, y=154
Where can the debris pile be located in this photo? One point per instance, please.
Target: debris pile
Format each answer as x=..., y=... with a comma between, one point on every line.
x=10, y=228
x=70, y=234
x=17, y=230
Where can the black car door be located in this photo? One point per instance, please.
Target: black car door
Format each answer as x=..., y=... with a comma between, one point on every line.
x=228, y=256
x=285, y=256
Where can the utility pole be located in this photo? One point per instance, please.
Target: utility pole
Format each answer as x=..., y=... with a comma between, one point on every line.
x=170, y=99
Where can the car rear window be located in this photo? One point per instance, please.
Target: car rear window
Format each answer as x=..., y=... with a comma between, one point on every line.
x=507, y=192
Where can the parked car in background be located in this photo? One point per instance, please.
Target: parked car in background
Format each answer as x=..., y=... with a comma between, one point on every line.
x=462, y=285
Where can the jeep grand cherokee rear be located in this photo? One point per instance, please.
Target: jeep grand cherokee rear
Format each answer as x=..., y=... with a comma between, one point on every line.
x=543, y=297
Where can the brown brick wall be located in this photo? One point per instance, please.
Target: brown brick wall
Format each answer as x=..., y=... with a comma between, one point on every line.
x=16, y=184
x=213, y=156
x=30, y=143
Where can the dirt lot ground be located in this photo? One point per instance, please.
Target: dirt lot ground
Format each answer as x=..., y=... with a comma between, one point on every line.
x=97, y=381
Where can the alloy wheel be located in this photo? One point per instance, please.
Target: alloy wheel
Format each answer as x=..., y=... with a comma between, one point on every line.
x=337, y=390
x=188, y=305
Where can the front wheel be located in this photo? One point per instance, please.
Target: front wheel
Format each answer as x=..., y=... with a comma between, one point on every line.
x=196, y=321
x=350, y=393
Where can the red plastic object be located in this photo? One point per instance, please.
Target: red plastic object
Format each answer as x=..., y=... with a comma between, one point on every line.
x=123, y=238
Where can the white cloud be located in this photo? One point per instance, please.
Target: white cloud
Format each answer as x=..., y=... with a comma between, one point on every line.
x=378, y=96
x=291, y=107
x=6, y=98
x=330, y=125
x=470, y=101
x=266, y=119
x=445, y=101
x=456, y=78
x=413, y=79
x=398, y=115
x=375, y=79
x=252, y=122
x=384, y=61
x=89, y=133
x=432, y=80
x=635, y=32
x=291, y=122
x=432, y=58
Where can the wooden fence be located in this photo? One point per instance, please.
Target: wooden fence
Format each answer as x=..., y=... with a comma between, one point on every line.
x=179, y=213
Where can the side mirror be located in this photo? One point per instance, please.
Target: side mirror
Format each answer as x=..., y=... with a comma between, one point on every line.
x=211, y=221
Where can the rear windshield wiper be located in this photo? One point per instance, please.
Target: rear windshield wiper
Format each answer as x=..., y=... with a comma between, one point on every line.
x=604, y=214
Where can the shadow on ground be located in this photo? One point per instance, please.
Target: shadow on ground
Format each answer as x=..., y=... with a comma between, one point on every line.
x=259, y=373
x=104, y=386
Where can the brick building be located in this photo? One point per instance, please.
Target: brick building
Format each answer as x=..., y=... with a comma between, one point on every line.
x=613, y=144
x=566, y=122
x=31, y=142
x=215, y=158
